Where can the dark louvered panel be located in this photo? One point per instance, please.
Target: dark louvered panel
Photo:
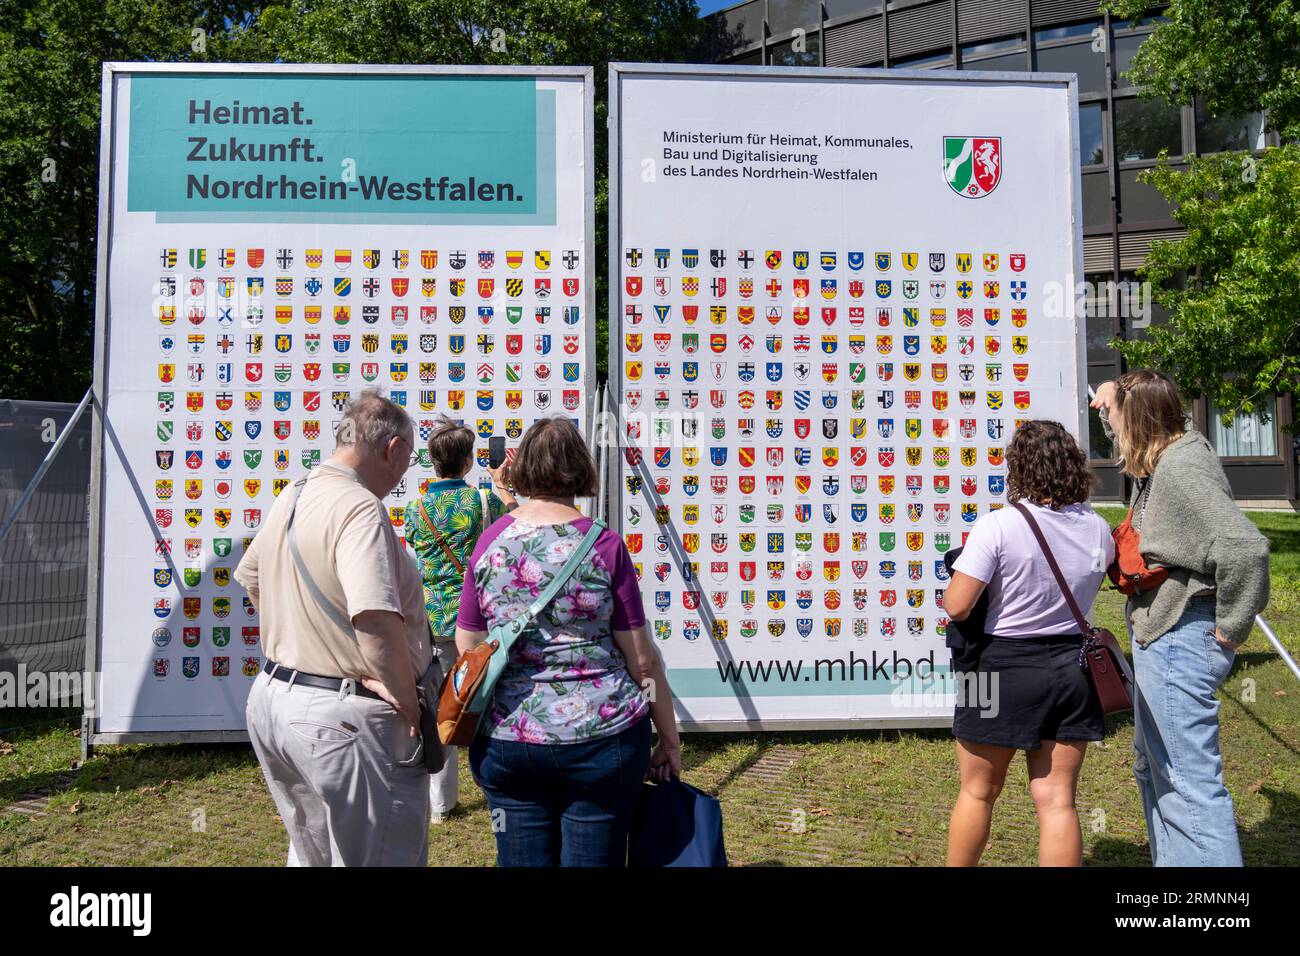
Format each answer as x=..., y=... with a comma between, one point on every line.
x=1134, y=246
x=856, y=44
x=989, y=19
x=1098, y=253
x=920, y=29
x=1047, y=13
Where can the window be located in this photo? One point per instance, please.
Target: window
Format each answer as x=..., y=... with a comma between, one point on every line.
x=1247, y=436
x=990, y=47
x=1126, y=47
x=786, y=15
x=744, y=22
x=1099, y=317
x=925, y=61
x=1071, y=31
x=1100, y=447
x=1092, y=140
x=1144, y=127
x=1140, y=201
x=1135, y=322
x=785, y=54
x=1216, y=134
x=1077, y=58
x=1096, y=199
x=1017, y=62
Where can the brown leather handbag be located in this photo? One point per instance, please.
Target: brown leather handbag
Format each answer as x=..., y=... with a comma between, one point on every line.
x=1101, y=657
x=1129, y=571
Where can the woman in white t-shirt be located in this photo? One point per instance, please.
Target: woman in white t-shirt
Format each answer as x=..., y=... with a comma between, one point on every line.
x=1020, y=687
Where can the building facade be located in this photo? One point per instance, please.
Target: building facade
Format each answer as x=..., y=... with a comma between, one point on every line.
x=1120, y=136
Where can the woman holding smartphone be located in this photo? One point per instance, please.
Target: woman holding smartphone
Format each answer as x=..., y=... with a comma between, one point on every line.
x=442, y=526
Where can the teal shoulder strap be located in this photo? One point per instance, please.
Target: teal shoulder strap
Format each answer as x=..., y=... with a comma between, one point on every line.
x=516, y=627
x=507, y=634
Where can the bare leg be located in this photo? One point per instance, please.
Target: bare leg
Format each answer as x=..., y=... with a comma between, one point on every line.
x=983, y=769
x=1053, y=777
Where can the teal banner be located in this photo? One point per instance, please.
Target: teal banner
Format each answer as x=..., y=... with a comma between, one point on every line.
x=297, y=148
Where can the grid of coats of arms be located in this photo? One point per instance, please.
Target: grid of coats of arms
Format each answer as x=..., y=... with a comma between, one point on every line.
x=243, y=339
x=835, y=415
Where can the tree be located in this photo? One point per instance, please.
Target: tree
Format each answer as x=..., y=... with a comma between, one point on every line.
x=50, y=57
x=1233, y=333
x=1238, y=56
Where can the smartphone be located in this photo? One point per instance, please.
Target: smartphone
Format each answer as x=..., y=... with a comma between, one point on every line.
x=496, y=451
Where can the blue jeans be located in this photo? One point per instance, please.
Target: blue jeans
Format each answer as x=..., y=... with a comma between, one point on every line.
x=562, y=804
x=1178, y=766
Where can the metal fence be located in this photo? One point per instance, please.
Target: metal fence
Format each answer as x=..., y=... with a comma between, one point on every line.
x=45, y=545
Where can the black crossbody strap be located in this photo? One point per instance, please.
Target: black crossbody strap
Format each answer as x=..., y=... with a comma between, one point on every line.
x=1082, y=621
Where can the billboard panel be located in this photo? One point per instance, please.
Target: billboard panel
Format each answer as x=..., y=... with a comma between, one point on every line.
x=834, y=294
x=273, y=240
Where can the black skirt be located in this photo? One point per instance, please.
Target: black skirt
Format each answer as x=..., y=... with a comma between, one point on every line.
x=1019, y=691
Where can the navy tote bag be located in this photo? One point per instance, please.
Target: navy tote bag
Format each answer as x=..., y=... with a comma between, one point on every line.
x=676, y=825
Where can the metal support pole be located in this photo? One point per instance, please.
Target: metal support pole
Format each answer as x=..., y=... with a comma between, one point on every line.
x=602, y=441
x=1277, y=645
x=52, y=454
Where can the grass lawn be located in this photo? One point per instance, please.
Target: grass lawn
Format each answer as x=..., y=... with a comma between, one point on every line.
x=872, y=798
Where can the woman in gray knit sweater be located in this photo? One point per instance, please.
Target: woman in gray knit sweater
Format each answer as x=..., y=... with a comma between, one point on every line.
x=1186, y=630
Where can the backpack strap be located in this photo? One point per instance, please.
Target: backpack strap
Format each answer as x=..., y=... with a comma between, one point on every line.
x=1082, y=621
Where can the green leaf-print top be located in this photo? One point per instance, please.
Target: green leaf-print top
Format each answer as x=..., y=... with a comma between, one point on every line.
x=456, y=510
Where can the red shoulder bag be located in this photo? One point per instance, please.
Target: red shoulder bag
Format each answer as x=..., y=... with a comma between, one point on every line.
x=1129, y=571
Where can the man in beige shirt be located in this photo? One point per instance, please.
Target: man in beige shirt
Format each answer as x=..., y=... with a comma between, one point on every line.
x=333, y=717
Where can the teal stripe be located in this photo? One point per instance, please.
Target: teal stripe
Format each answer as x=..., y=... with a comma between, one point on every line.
x=690, y=682
x=494, y=129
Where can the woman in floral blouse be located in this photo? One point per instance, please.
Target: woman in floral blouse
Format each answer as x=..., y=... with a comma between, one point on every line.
x=565, y=746
x=442, y=527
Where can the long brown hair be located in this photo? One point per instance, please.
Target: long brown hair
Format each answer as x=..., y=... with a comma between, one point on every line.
x=1151, y=419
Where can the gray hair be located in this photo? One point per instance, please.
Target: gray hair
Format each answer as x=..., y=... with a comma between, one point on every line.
x=370, y=421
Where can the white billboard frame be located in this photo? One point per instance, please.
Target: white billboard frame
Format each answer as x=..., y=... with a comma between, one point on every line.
x=90, y=732
x=614, y=390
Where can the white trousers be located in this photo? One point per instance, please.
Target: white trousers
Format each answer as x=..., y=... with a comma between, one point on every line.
x=346, y=777
x=444, y=786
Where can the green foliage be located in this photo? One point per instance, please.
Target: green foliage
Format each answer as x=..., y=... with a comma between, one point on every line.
x=1239, y=56
x=1233, y=332
x=50, y=73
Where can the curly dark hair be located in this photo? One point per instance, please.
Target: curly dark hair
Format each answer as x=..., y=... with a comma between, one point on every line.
x=1045, y=465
